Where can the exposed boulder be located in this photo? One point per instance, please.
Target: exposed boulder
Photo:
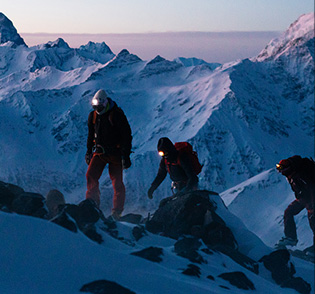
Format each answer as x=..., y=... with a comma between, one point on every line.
x=239, y=280
x=14, y=199
x=188, y=247
x=282, y=271
x=150, y=253
x=105, y=287
x=192, y=270
x=131, y=218
x=194, y=214
x=138, y=232
x=191, y=214
x=8, y=192
x=82, y=217
x=28, y=203
x=54, y=199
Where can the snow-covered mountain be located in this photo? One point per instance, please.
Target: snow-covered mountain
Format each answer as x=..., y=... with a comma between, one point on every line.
x=8, y=32
x=241, y=117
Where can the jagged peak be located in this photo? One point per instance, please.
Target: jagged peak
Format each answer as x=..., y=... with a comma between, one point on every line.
x=300, y=31
x=159, y=65
x=8, y=32
x=187, y=62
x=123, y=53
x=302, y=26
x=96, y=47
x=193, y=61
x=123, y=58
x=126, y=55
x=59, y=43
x=156, y=59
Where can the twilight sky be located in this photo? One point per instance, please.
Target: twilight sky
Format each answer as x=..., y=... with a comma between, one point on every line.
x=95, y=17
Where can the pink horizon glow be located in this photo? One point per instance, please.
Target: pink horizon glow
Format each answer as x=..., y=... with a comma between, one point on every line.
x=212, y=47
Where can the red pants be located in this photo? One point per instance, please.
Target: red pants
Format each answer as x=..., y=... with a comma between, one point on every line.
x=93, y=174
x=293, y=209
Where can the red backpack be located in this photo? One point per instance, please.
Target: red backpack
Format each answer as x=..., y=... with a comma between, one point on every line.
x=185, y=147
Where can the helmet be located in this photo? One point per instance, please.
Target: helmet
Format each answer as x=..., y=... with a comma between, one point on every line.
x=285, y=166
x=166, y=147
x=99, y=101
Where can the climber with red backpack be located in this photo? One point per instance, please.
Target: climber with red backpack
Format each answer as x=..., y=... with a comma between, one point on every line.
x=182, y=164
x=300, y=173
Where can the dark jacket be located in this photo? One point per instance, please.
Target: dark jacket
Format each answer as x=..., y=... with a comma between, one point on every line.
x=182, y=172
x=111, y=130
x=303, y=187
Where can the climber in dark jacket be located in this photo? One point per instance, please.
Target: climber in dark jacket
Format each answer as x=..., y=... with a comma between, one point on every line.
x=177, y=165
x=301, y=177
x=110, y=136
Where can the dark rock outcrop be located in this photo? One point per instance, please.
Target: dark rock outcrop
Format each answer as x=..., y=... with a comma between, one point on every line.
x=131, y=218
x=138, y=232
x=82, y=217
x=191, y=214
x=31, y=204
x=187, y=247
x=150, y=253
x=194, y=214
x=192, y=270
x=238, y=279
x=8, y=192
x=105, y=287
x=15, y=199
x=282, y=271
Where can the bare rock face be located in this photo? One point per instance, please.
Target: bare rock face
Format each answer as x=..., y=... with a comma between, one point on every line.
x=193, y=216
x=192, y=213
x=15, y=199
x=283, y=271
x=239, y=280
x=8, y=32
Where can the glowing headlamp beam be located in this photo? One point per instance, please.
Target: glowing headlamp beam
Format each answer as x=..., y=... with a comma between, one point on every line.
x=94, y=102
x=161, y=153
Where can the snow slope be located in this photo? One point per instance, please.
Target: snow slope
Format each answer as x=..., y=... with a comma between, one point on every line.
x=260, y=203
x=41, y=257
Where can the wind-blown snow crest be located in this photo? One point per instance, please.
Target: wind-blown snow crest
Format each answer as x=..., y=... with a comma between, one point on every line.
x=299, y=31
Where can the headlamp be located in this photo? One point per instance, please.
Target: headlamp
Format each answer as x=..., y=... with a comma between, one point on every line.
x=95, y=102
x=279, y=166
x=161, y=153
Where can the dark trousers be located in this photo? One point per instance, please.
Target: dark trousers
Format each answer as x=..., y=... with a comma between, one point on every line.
x=94, y=173
x=293, y=209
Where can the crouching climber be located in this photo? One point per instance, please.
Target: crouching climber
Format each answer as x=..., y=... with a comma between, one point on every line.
x=182, y=164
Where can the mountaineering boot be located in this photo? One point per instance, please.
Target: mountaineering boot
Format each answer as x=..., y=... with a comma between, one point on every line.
x=286, y=241
x=309, y=251
x=115, y=216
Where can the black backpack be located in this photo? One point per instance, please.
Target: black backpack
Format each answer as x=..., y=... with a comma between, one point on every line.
x=304, y=167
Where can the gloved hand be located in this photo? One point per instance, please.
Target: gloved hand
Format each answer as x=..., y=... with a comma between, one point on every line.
x=126, y=163
x=150, y=193
x=88, y=157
